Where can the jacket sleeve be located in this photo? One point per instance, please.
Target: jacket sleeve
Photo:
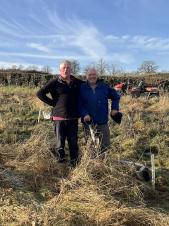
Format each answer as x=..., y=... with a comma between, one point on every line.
x=115, y=98
x=42, y=94
x=82, y=111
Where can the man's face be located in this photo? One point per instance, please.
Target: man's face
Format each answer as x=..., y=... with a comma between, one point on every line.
x=92, y=76
x=65, y=71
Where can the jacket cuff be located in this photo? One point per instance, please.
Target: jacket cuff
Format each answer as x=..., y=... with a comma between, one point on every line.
x=115, y=106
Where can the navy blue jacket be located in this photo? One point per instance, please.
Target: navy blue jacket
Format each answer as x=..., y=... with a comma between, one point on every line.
x=95, y=102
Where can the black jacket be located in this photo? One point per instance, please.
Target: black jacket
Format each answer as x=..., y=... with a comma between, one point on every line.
x=64, y=97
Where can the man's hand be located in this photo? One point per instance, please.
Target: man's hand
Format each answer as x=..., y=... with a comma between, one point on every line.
x=87, y=118
x=114, y=112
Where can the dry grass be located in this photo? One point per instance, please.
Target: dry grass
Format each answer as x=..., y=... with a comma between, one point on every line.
x=36, y=190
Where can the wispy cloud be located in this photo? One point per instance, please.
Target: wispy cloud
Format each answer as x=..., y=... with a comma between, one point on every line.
x=152, y=43
x=54, y=36
x=18, y=64
x=139, y=42
x=69, y=33
x=48, y=36
x=88, y=39
x=13, y=28
x=85, y=36
x=39, y=46
x=123, y=58
x=9, y=64
x=42, y=56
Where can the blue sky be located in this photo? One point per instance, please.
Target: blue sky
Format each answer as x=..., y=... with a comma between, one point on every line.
x=122, y=32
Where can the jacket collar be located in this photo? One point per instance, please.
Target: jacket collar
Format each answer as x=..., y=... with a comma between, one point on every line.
x=72, y=79
x=98, y=83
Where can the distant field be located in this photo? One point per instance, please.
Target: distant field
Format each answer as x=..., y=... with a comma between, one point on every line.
x=36, y=190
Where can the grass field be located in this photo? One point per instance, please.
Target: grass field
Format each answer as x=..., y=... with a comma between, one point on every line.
x=36, y=190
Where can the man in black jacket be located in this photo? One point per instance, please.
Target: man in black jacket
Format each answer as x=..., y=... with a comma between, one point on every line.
x=64, y=91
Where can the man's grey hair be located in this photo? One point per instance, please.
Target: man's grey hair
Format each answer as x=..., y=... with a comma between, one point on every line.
x=65, y=62
x=91, y=68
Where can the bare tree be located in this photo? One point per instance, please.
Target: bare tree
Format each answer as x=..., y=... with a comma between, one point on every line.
x=102, y=67
x=148, y=66
x=14, y=67
x=2, y=67
x=32, y=68
x=75, y=66
x=47, y=69
x=21, y=67
x=115, y=70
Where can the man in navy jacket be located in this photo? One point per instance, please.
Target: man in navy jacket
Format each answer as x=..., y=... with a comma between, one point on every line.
x=93, y=105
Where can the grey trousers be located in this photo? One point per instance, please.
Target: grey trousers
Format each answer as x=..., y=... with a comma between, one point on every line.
x=103, y=133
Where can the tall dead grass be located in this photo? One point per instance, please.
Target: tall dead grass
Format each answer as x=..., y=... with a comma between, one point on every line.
x=96, y=192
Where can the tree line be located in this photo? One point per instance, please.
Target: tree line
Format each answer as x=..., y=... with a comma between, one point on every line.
x=113, y=74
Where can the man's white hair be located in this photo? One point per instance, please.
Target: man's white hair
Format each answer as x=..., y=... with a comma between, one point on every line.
x=65, y=62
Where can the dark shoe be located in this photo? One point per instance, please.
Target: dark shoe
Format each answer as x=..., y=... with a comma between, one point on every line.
x=60, y=156
x=73, y=163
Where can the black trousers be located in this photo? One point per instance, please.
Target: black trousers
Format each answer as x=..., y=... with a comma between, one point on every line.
x=67, y=129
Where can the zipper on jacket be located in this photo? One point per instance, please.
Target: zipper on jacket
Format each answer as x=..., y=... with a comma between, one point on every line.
x=93, y=89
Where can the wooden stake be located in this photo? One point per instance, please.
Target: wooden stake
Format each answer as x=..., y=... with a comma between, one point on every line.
x=153, y=171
